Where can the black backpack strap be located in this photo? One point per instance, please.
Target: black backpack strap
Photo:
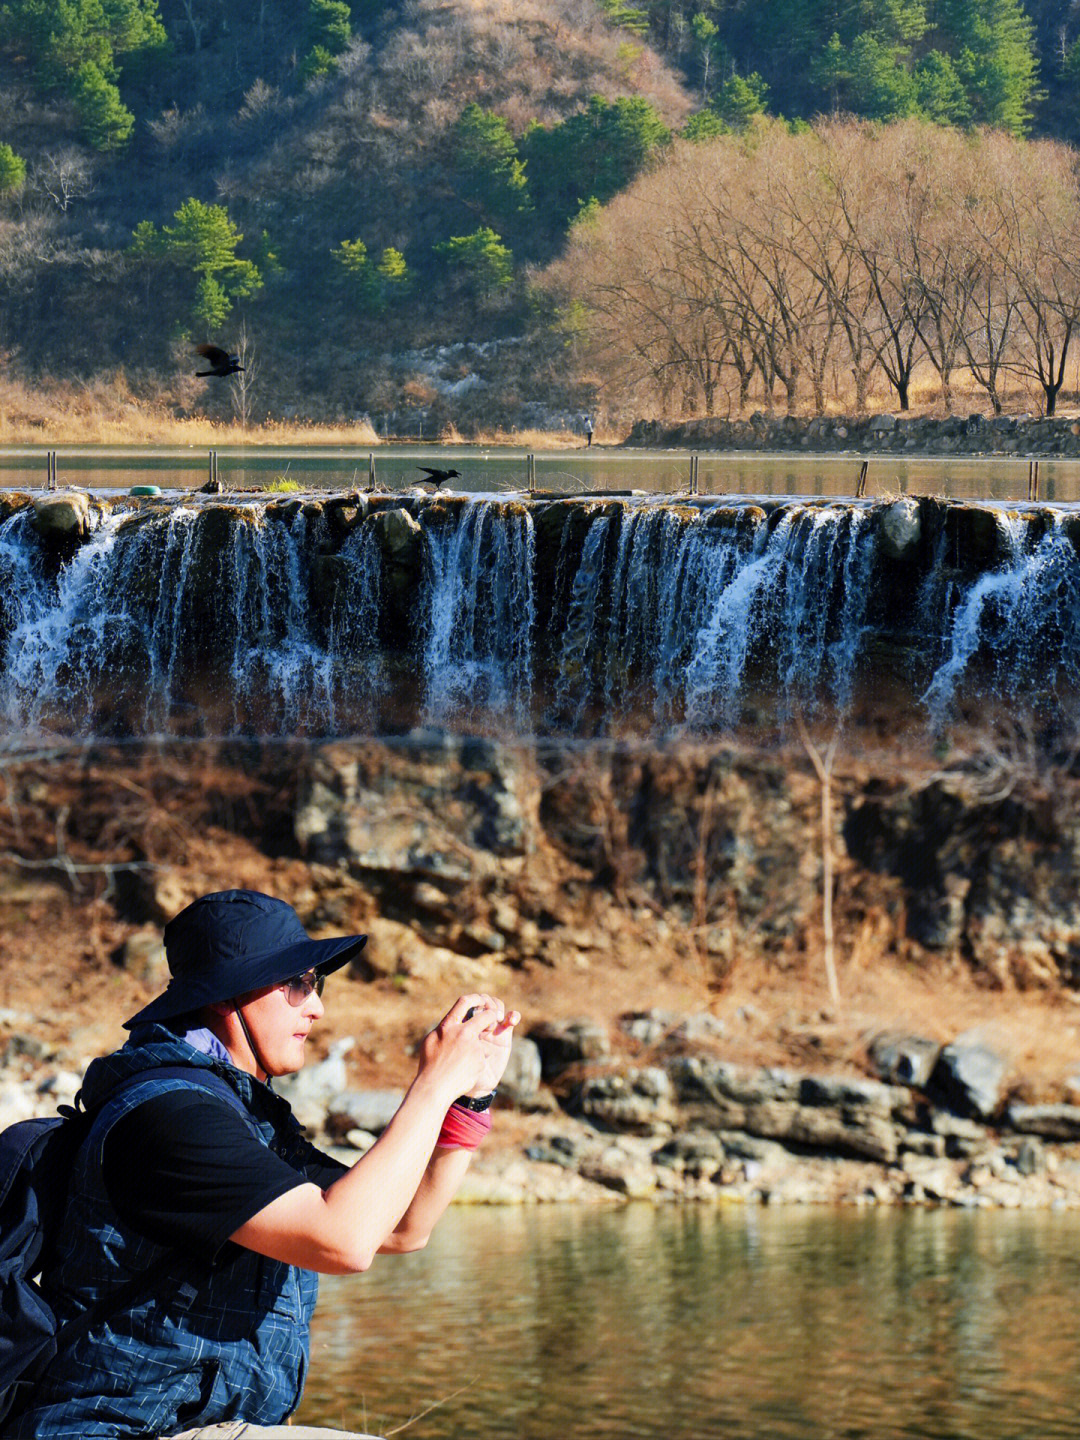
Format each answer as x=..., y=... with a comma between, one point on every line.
x=138, y=1285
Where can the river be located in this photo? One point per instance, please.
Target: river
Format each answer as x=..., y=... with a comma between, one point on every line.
x=502, y=469
x=747, y=1324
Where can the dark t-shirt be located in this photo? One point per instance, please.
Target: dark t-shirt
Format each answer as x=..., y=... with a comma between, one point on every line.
x=188, y=1170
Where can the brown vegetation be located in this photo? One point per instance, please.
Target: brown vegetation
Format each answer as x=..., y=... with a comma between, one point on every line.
x=812, y=267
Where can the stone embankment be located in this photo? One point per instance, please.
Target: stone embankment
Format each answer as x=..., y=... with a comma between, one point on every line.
x=578, y=1124
x=885, y=433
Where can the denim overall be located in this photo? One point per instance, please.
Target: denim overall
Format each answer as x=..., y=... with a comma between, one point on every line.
x=219, y=1338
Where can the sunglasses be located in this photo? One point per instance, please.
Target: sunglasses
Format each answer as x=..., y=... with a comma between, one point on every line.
x=298, y=990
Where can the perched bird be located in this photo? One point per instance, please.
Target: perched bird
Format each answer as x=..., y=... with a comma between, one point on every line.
x=221, y=362
x=438, y=477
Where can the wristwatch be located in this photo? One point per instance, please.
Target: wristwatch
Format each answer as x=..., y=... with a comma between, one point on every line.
x=476, y=1103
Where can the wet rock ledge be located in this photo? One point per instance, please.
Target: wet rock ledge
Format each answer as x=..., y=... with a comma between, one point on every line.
x=891, y=434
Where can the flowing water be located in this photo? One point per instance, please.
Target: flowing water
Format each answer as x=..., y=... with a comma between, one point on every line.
x=574, y=617
x=658, y=1324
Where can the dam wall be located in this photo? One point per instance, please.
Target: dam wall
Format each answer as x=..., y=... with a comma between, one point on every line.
x=606, y=614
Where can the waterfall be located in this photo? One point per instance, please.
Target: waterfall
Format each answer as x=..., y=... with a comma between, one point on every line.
x=1014, y=631
x=603, y=615
x=480, y=614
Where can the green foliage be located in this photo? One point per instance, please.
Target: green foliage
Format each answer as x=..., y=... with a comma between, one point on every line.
x=485, y=262
x=282, y=485
x=106, y=122
x=328, y=31
x=75, y=45
x=957, y=62
x=329, y=24
x=595, y=153
x=740, y=98
x=366, y=284
x=704, y=125
x=489, y=174
x=316, y=63
x=202, y=244
x=940, y=91
x=634, y=18
x=392, y=267
x=995, y=59
x=12, y=170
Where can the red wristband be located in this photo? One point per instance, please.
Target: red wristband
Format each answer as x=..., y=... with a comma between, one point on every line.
x=462, y=1129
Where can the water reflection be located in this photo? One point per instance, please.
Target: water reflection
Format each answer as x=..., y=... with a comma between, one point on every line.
x=689, y=1324
x=567, y=471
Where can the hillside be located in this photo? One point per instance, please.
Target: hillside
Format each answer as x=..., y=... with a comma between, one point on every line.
x=365, y=153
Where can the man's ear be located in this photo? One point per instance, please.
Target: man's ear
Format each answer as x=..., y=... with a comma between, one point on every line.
x=221, y=1007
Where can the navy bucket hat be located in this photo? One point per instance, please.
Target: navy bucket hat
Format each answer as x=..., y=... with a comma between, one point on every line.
x=233, y=941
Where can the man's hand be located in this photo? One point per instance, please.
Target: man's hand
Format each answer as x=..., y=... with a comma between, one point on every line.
x=496, y=1038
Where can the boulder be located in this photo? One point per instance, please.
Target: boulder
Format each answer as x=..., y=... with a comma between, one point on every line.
x=62, y=516
x=523, y=1073
x=399, y=536
x=901, y=528
x=1052, y=1122
x=563, y=1043
x=362, y=1110
x=968, y=1077
x=903, y=1059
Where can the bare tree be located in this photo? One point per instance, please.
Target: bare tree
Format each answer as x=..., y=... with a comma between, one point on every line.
x=243, y=383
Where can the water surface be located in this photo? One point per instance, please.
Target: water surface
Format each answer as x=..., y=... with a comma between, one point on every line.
x=503, y=469
x=688, y=1324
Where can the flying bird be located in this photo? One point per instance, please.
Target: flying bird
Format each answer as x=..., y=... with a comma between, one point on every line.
x=438, y=477
x=220, y=361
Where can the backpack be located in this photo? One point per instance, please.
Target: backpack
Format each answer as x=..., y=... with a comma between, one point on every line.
x=36, y=1161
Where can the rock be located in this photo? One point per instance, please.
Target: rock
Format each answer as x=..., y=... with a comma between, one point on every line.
x=968, y=1077
x=1030, y=1157
x=649, y=1027
x=882, y=425
x=310, y=1090
x=620, y=1171
x=1053, y=1122
x=399, y=536
x=521, y=1079
x=903, y=1059
x=143, y=956
x=64, y=516
x=563, y=1043
x=901, y=528
x=636, y=1101
x=362, y=1110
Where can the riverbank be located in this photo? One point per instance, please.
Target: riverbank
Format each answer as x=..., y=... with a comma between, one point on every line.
x=882, y=434
x=680, y=1042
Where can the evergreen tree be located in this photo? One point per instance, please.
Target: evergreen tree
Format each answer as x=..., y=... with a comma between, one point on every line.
x=992, y=45
x=940, y=90
x=593, y=154
x=12, y=170
x=106, y=122
x=481, y=258
x=489, y=174
x=202, y=244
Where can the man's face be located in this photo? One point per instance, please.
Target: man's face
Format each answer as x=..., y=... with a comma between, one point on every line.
x=280, y=1028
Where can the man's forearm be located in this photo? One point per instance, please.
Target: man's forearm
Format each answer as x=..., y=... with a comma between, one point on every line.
x=438, y=1186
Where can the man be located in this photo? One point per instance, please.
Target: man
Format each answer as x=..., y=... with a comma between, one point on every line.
x=196, y=1179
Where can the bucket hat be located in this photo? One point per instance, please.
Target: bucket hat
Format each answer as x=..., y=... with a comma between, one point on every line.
x=225, y=944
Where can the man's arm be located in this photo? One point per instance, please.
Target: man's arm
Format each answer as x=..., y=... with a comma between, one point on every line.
x=439, y=1184
x=341, y=1229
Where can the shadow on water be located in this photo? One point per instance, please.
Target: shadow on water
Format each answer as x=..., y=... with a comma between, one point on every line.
x=690, y=1324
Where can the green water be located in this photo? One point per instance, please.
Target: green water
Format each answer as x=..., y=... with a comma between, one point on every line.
x=569, y=471
x=687, y=1324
